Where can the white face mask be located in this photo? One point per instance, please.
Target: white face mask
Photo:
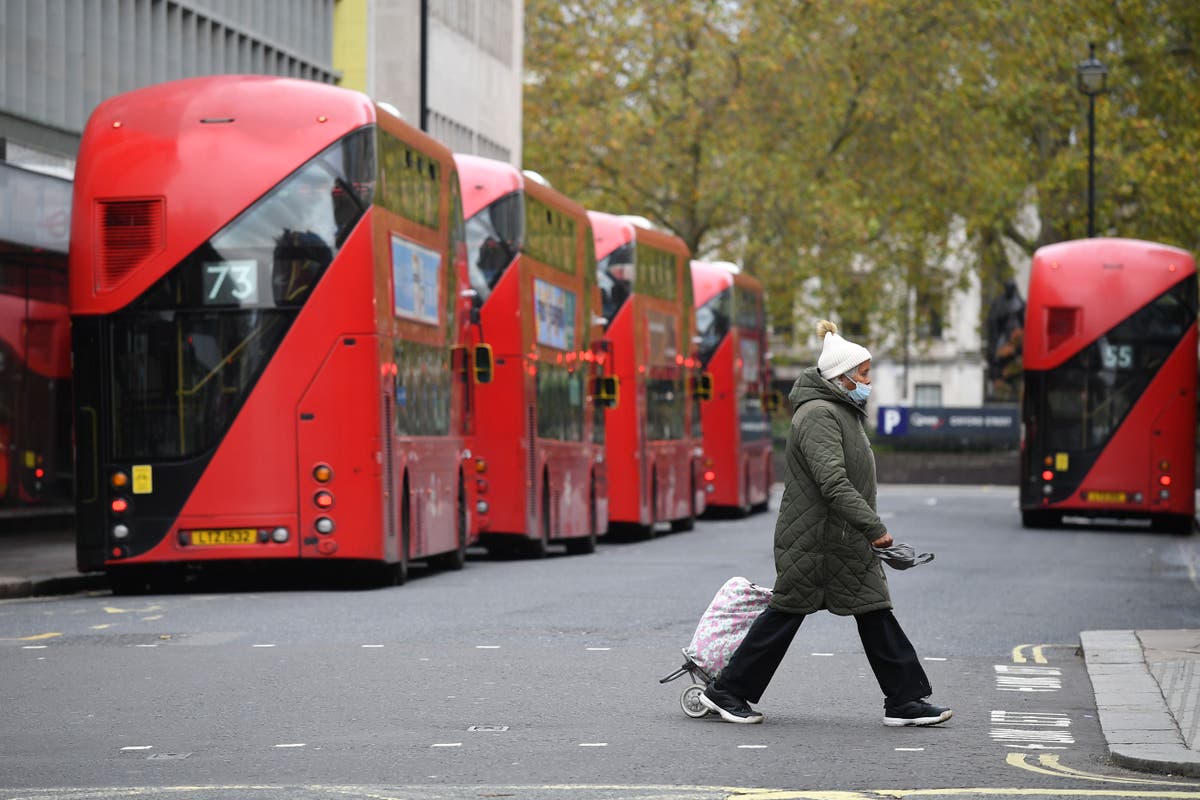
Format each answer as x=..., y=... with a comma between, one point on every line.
x=860, y=392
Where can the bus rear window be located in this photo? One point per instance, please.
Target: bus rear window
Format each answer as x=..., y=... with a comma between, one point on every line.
x=494, y=237
x=1089, y=396
x=712, y=323
x=185, y=354
x=615, y=273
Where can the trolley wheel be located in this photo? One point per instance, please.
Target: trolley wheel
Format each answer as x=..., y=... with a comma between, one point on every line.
x=690, y=701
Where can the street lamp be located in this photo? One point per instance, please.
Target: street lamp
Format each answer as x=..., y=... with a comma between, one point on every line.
x=1091, y=76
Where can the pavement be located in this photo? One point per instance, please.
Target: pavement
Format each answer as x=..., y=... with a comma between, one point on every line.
x=1146, y=682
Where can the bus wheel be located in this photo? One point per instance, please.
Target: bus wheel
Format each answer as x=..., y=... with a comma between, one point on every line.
x=129, y=581
x=689, y=522
x=1041, y=519
x=456, y=558
x=539, y=547
x=1182, y=524
x=400, y=568
x=583, y=545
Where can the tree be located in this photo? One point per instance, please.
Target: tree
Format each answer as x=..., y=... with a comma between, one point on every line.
x=833, y=148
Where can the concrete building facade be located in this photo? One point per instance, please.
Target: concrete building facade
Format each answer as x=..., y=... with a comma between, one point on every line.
x=472, y=67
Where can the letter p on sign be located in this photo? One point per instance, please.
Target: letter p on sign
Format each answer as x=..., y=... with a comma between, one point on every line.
x=891, y=420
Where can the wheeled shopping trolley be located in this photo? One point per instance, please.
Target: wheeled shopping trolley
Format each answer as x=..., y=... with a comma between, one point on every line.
x=721, y=629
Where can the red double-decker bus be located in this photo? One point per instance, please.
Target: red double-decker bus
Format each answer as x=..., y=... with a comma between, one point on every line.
x=731, y=325
x=266, y=324
x=35, y=392
x=538, y=438
x=1109, y=406
x=654, y=440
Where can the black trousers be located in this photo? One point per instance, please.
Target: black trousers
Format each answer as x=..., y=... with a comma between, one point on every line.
x=892, y=657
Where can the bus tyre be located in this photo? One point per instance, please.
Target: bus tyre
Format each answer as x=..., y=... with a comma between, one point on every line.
x=539, y=547
x=400, y=568
x=1041, y=519
x=584, y=545
x=129, y=581
x=456, y=558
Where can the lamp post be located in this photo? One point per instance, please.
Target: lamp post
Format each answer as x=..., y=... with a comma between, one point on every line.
x=1091, y=76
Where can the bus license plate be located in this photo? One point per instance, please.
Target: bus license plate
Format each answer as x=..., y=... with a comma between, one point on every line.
x=1106, y=497
x=227, y=536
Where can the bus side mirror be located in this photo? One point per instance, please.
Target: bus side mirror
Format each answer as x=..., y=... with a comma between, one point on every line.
x=485, y=363
x=702, y=386
x=772, y=401
x=606, y=391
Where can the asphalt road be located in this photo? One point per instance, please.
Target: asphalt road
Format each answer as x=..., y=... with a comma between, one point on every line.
x=539, y=679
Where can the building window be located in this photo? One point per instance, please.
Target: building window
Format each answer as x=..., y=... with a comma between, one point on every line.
x=927, y=395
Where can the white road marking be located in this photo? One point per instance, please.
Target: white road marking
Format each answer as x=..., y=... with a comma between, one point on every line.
x=262, y=645
x=820, y=654
x=447, y=744
x=34, y=647
x=593, y=744
x=139, y=747
x=931, y=658
x=752, y=747
x=296, y=744
x=599, y=649
x=487, y=647
x=372, y=646
x=909, y=749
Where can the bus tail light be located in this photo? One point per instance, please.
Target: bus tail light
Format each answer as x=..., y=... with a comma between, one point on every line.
x=323, y=499
x=710, y=475
x=481, y=485
x=1164, y=480
x=120, y=505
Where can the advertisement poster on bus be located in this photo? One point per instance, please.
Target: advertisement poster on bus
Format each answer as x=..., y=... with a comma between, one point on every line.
x=415, y=281
x=750, y=353
x=660, y=330
x=554, y=315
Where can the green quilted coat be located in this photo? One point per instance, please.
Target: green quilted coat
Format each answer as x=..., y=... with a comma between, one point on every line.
x=827, y=519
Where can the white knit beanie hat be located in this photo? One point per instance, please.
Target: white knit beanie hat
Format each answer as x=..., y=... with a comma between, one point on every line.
x=838, y=356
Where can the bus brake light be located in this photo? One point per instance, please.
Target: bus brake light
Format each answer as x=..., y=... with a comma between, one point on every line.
x=323, y=500
x=1164, y=480
x=120, y=505
x=1047, y=475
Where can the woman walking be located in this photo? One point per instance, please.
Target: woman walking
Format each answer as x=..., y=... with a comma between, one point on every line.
x=824, y=536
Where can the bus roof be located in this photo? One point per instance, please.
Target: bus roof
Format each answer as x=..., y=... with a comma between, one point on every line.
x=203, y=149
x=610, y=231
x=484, y=181
x=709, y=278
x=1105, y=280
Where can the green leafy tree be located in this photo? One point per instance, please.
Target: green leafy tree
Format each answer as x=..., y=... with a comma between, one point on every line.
x=836, y=148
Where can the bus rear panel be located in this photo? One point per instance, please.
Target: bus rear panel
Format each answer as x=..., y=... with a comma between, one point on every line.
x=654, y=439
x=1109, y=405
x=731, y=324
x=263, y=325
x=539, y=452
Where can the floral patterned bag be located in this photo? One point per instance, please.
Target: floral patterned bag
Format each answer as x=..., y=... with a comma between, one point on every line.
x=724, y=624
